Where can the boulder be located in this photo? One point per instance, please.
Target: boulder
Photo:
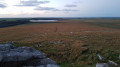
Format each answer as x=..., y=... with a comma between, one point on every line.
x=13, y=56
x=46, y=61
x=6, y=47
x=38, y=62
x=102, y=65
x=20, y=54
x=48, y=65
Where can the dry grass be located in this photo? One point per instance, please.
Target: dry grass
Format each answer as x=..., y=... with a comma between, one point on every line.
x=68, y=42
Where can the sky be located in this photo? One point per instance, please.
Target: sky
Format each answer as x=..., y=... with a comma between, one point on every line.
x=59, y=8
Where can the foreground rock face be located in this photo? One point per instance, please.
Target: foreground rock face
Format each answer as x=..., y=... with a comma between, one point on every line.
x=12, y=56
x=102, y=65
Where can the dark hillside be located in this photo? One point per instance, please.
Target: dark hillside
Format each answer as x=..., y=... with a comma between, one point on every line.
x=4, y=23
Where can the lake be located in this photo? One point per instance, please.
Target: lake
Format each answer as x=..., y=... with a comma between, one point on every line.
x=43, y=20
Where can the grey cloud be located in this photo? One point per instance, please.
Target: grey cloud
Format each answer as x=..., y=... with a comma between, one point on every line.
x=52, y=9
x=70, y=5
x=69, y=10
x=2, y=5
x=46, y=8
x=66, y=10
x=31, y=3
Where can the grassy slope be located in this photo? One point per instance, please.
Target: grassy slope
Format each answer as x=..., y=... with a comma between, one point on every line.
x=79, y=48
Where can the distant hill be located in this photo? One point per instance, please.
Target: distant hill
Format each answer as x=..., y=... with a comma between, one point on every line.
x=5, y=23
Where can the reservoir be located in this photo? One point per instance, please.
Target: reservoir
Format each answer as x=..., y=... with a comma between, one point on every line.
x=43, y=20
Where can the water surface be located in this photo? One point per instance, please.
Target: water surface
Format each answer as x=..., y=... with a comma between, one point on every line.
x=43, y=20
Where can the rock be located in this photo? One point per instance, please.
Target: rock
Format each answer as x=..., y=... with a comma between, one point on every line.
x=21, y=54
x=38, y=62
x=71, y=32
x=100, y=57
x=57, y=42
x=5, y=47
x=54, y=42
x=46, y=61
x=28, y=66
x=112, y=62
x=60, y=42
x=52, y=65
x=102, y=65
x=1, y=57
x=48, y=65
x=12, y=56
x=38, y=45
x=119, y=57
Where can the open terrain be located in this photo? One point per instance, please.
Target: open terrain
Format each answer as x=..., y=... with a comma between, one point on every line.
x=71, y=42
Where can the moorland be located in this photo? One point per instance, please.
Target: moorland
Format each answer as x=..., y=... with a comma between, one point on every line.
x=72, y=42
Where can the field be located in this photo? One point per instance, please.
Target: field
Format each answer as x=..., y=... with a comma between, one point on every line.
x=72, y=42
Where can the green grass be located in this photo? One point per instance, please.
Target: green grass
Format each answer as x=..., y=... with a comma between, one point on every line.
x=70, y=65
x=105, y=44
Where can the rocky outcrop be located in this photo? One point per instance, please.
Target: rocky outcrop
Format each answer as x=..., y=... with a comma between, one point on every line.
x=12, y=56
x=102, y=65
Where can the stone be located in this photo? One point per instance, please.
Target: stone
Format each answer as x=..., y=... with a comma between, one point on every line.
x=48, y=65
x=100, y=57
x=38, y=45
x=52, y=65
x=102, y=65
x=112, y=62
x=5, y=47
x=12, y=56
x=71, y=32
x=38, y=62
x=1, y=57
x=46, y=61
x=119, y=57
x=28, y=66
x=21, y=54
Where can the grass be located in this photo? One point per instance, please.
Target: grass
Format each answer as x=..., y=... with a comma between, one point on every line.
x=69, y=65
x=110, y=23
x=76, y=49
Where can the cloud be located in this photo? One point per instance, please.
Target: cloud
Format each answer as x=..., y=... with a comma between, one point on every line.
x=52, y=9
x=30, y=3
x=3, y=5
x=69, y=10
x=77, y=2
x=46, y=8
x=70, y=5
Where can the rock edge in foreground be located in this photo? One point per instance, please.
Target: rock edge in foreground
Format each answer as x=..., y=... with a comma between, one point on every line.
x=12, y=56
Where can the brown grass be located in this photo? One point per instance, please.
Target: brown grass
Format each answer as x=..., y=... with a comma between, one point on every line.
x=79, y=47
